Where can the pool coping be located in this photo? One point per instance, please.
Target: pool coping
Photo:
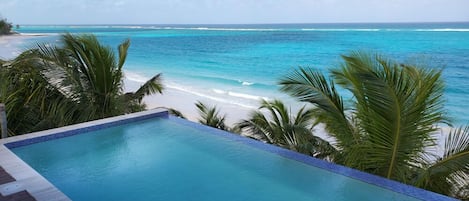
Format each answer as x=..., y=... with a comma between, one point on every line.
x=32, y=138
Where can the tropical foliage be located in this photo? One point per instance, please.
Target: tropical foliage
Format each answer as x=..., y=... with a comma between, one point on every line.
x=281, y=128
x=173, y=112
x=211, y=116
x=391, y=122
x=31, y=102
x=79, y=81
x=5, y=27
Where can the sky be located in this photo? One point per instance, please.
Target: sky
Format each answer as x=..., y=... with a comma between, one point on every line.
x=231, y=11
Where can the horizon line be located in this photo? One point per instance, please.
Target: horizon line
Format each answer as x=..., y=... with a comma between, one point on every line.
x=273, y=23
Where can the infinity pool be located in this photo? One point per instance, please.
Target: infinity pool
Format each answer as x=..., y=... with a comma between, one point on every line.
x=166, y=158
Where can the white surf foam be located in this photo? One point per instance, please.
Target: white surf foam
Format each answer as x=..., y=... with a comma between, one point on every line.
x=218, y=91
x=240, y=95
x=247, y=83
x=187, y=90
x=135, y=77
x=39, y=34
x=212, y=28
x=247, y=96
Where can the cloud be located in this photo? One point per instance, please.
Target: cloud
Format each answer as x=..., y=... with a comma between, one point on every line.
x=119, y=3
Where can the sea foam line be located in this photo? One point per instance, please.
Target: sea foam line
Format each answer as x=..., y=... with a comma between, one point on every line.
x=245, y=83
x=135, y=77
x=194, y=28
x=240, y=95
x=217, y=29
x=142, y=79
x=210, y=97
x=39, y=34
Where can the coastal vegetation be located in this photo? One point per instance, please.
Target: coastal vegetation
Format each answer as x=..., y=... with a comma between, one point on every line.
x=211, y=116
x=388, y=128
x=274, y=124
x=5, y=27
x=79, y=81
x=391, y=123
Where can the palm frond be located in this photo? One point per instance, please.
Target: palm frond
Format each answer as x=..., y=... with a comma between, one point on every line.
x=278, y=126
x=80, y=80
x=396, y=107
x=152, y=86
x=173, y=111
x=123, y=47
x=450, y=173
x=210, y=116
x=31, y=98
x=311, y=86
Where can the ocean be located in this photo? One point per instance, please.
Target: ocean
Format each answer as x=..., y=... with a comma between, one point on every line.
x=241, y=64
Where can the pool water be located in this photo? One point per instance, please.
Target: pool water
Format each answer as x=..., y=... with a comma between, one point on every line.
x=166, y=159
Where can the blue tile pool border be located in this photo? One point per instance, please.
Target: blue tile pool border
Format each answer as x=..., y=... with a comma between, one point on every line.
x=85, y=129
x=349, y=172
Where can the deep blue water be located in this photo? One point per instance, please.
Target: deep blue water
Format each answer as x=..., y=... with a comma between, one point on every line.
x=242, y=63
x=161, y=159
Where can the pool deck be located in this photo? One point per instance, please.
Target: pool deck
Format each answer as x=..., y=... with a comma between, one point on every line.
x=27, y=179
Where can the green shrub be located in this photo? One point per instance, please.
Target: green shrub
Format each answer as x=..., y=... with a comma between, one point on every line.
x=5, y=27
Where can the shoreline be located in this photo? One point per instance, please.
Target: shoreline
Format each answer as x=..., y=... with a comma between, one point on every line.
x=184, y=102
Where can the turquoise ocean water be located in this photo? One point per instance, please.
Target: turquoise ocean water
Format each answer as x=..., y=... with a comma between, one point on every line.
x=241, y=64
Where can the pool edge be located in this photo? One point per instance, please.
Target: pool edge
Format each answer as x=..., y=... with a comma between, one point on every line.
x=55, y=133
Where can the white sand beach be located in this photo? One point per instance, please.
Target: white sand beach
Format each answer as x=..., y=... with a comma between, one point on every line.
x=12, y=45
x=185, y=103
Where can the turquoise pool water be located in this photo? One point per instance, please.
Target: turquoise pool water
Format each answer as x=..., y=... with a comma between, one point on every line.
x=165, y=159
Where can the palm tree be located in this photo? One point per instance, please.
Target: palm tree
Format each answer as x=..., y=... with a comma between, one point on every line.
x=32, y=104
x=211, y=116
x=281, y=128
x=448, y=174
x=79, y=81
x=92, y=76
x=390, y=123
x=173, y=112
